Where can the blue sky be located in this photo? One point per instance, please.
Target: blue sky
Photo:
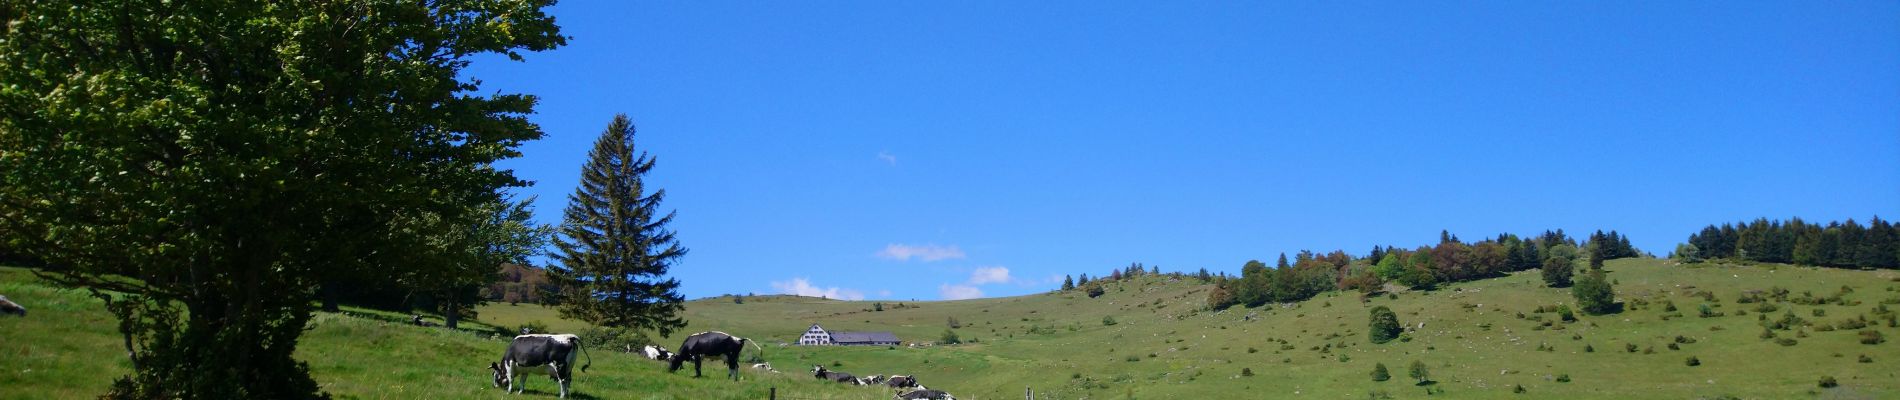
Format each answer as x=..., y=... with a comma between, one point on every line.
x=912, y=150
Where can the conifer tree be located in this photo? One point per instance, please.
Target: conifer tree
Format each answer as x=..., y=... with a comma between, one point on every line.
x=1068, y=282
x=614, y=246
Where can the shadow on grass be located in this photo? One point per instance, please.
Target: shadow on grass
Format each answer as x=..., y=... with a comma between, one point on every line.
x=572, y=394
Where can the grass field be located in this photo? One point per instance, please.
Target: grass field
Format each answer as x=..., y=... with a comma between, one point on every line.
x=68, y=349
x=1162, y=344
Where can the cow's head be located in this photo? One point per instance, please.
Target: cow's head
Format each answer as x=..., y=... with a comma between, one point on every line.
x=501, y=377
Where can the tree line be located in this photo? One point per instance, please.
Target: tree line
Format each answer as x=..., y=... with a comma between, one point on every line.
x=1846, y=244
x=1451, y=260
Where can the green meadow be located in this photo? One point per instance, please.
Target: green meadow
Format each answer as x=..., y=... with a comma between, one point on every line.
x=1149, y=337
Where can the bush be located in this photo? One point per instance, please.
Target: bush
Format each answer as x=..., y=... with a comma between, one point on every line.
x=1419, y=372
x=1132, y=358
x=1108, y=321
x=1246, y=372
x=1517, y=389
x=1871, y=337
x=1096, y=291
x=1692, y=361
x=1379, y=373
x=1786, y=341
x=1865, y=359
x=1557, y=271
x=1594, y=295
x=949, y=337
x=1630, y=347
x=1828, y=382
x=1384, y=325
x=615, y=338
x=1565, y=378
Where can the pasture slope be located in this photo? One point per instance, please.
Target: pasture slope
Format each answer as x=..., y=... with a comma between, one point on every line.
x=69, y=349
x=1162, y=343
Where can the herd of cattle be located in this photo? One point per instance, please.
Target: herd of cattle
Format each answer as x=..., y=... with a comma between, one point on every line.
x=557, y=353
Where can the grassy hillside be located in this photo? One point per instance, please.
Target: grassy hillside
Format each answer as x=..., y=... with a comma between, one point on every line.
x=1161, y=344
x=1472, y=339
x=68, y=348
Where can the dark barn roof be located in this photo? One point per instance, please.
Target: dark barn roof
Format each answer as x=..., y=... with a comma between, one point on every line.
x=862, y=337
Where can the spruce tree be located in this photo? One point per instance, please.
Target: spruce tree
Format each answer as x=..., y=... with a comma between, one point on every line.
x=614, y=246
x=1068, y=282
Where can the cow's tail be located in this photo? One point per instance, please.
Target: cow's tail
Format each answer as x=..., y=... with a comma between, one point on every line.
x=755, y=344
x=590, y=358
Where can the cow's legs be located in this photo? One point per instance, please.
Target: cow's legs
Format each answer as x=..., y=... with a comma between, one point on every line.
x=696, y=360
x=508, y=369
x=732, y=366
x=554, y=370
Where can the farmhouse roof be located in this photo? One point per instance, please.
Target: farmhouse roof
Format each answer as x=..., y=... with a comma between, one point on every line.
x=862, y=337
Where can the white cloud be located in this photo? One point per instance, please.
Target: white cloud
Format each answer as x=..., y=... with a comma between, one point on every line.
x=985, y=275
x=884, y=293
x=928, y=252
x=803, y=287
x=958, y=292
x=887, y=157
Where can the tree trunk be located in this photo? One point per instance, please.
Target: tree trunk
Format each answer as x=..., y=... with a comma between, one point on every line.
x=453, y=313
x=328, y=293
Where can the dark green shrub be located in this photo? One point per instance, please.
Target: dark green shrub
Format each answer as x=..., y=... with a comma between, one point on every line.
x=1565, y=378
x=1384, y=325
x=1379, y=373
x=1692, y=361
x=1865, y=359
x=1786, y=341
x=1828, y=382
x=1246, y=372
x=1871, y=337
x=1594, y=294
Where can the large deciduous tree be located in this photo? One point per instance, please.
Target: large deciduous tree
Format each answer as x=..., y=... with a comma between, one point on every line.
x=203, y=165
x=614, y=246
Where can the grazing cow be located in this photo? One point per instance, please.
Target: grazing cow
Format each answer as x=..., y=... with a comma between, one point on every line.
x=874, y=380
x=656, y=353
x=818, y=371
x=924, y=394
x=9, y=307
x=704, y=344
x=555, y=351
x=902, y=381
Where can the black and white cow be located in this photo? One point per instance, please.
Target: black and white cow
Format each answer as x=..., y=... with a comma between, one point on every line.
x=526, y=351
x=818, y=371
x=9, y=307
x=925, y=394
x=656, y=353
x=901, y=381
x=704, y=344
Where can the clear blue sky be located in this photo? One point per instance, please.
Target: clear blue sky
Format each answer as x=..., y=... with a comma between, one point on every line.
x=913, y=150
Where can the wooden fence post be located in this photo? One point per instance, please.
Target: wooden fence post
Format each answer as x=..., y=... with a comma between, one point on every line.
x=773, y=395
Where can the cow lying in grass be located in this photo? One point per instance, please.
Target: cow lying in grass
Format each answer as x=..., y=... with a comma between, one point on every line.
x=704, y=344
x=555, y=351
x=819, y=371
x=9, y=307
x=923, y=394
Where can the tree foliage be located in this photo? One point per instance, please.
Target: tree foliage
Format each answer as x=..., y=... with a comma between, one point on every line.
x=213, y=162
x=1384, y=325
x=1594, y=294
x=1557, y=272
x=1847, y=244
x=615, y=247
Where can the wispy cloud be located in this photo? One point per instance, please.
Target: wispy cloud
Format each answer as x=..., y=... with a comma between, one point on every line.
x=803, y=287
x=887, y=157
x=928, y=252
x=984, y=275
x=958, y=292
x=885, y=293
